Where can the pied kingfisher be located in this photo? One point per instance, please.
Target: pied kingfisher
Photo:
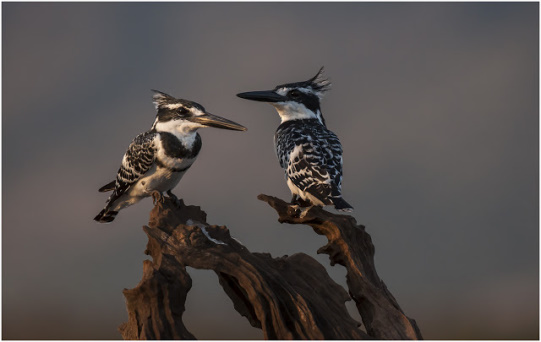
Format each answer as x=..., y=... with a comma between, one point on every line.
x=310, y=154
x=157, y=159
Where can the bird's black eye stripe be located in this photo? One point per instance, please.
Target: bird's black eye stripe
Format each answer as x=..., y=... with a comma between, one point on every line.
x=182, y=111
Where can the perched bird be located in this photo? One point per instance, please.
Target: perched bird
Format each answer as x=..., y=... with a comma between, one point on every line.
x=157, y=159
x=310, y=153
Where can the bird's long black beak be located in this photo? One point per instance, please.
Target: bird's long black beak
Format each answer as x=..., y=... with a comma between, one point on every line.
x=263, y=96
x=211, y=120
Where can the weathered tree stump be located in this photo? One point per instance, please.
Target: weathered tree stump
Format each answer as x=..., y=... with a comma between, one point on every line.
x=290, y=297
x=351, y=246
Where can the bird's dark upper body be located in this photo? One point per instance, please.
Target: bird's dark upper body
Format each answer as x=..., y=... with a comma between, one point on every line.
x=311, y=156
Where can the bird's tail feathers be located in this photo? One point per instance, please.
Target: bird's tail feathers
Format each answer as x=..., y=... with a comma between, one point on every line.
x=106, y=216
x=108, y=187
x=341, y=205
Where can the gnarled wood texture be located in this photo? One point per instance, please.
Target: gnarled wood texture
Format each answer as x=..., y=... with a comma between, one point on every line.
x=351, y=246
x=290, y=297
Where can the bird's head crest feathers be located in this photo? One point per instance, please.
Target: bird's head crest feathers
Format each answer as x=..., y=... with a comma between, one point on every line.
x=317, y=84
x=162, y=99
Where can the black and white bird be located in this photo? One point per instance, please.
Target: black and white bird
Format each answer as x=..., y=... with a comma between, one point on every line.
x=310, y=153
x=157, y=159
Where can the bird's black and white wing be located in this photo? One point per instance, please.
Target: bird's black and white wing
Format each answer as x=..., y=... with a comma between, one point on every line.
x=137, y=160
x=312, y=158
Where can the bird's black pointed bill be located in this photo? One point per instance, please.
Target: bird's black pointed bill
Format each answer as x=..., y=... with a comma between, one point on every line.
x=211, y=120
x=263, y=96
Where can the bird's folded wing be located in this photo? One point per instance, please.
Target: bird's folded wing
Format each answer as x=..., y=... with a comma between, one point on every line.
x=108, y=187
x=331, y=153
x=137, y=160
x=306, y=169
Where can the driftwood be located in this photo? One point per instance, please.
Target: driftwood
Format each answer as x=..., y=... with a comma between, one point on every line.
x=350, y=245
x=289, y=297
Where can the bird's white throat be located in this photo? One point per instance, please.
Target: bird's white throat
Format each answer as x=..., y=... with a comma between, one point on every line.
x=294, y=111
x=183, y=130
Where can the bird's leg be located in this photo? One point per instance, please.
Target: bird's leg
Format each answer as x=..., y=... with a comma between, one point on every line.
x=300, y=206
x=294, y=199
x=173, y=197
x=299, y=211
x=304, y=211
x=157, y=197
x=297, y=200
x=304, y=203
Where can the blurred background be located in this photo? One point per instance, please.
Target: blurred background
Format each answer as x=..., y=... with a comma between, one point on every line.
x=436, y=105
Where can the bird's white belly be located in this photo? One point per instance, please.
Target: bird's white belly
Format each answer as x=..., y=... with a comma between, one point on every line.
x=157, y=179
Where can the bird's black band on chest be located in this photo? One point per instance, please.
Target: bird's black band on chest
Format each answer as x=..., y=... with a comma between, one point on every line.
x=175, y=149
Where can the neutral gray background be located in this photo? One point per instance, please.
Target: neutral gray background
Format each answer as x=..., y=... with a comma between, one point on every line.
x=436, y=105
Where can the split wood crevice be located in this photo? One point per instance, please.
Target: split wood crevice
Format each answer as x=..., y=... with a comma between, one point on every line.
x=290, y=297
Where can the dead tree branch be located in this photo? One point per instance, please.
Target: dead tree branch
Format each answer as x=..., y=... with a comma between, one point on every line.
x=290, y=297
x=351, y=246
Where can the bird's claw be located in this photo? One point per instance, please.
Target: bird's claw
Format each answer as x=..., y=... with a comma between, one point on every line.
x=300, y=211
x=299, y=202
x=157, y=197
x=173, y=197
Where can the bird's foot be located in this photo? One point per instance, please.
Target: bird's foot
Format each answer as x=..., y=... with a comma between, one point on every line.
x=157, y=197
x=299, y=202
x=173, y=198
x=300, y=211
x=294, y=199
x=300, y=207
